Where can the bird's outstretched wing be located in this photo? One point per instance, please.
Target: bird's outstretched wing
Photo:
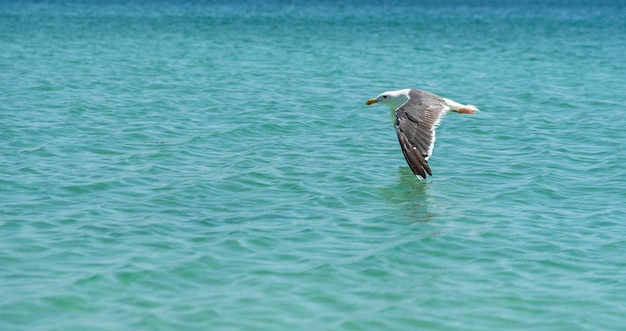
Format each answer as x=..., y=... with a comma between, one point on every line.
x=416, y=121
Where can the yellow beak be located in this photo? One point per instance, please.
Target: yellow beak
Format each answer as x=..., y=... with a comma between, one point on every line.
x=371, y=101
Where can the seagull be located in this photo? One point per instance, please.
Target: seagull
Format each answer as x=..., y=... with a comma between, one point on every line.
x=416, y=114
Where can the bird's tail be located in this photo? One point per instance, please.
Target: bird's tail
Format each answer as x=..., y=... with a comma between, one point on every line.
x=460, y=108
x=467, y=109
x=472, y=107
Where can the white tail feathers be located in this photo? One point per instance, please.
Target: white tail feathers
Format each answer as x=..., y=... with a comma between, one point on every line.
x=456, y=107
x=472, y=107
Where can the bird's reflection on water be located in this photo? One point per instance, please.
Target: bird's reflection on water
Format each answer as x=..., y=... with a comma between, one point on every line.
x=411, y=196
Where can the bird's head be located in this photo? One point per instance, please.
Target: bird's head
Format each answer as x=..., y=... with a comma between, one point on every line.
x=392, y=99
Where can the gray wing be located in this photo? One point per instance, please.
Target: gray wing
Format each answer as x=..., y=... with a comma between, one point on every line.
x=416, y=121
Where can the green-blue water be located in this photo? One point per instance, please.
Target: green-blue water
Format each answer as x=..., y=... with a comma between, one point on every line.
x=212, y=166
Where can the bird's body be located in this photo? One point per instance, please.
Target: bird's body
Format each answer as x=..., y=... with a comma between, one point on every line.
x=415, y=115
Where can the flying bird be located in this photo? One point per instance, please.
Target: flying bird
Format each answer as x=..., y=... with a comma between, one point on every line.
x=416, y=114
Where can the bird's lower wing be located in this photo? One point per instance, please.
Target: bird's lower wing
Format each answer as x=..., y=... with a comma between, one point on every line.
x=417, y=162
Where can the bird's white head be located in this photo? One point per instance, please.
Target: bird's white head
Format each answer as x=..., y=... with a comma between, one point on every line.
x=392, y=99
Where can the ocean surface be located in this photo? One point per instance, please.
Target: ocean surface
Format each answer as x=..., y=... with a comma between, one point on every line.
x=212, y=166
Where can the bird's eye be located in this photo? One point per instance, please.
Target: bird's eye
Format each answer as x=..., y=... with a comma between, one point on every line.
x=384, y=97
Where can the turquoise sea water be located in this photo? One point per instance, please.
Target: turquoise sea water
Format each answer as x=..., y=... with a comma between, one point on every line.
x=212, y=166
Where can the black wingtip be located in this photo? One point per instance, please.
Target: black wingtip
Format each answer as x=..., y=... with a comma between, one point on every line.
x=414, y=159
x=427, y=168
